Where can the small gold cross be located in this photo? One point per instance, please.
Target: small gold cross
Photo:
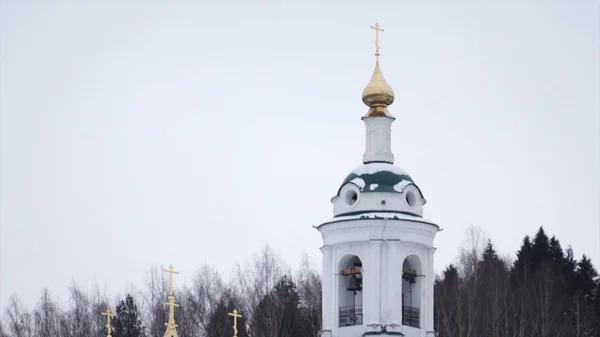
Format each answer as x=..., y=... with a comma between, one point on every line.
x=108, y=315
x=171, y=271
x=235, y=317
x=377, y=30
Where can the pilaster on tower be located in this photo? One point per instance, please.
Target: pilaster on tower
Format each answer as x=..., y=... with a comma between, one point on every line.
x=378, y=95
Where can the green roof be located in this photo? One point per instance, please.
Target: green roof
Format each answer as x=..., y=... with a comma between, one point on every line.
x=379, y=177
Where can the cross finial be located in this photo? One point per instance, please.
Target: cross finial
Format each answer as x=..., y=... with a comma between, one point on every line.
x=171, y=326
x=108, y=315
x=235, y=317
x=377, y=30
x=171, y=271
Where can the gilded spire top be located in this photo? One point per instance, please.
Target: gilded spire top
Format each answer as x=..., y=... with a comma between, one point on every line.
x=171, y=326
x=108, y=313
x=378, y=94
x=377, y=30
x=171, y=271
x=235, y=316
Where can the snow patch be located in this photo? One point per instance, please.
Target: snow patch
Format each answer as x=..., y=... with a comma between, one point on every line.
x=358, y=182
x=399, y=187
x=383, y=215
x=373, y=186
x=378, y=167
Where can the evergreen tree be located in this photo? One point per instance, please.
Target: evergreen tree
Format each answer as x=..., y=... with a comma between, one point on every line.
x=265, y=322
x=451, y=275
x=128, y=320
x=540, y=249
x=279, y=312
x=491, y=293
x=582, y=313
x=586, y=278
x=448, y=303
x=490, y=260
x=595, y=304
x=288, y=300
x=489, y=253
x=556, y=253
x=569, y=272
x=522, y=267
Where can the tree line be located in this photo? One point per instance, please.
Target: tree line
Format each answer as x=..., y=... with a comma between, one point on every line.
x=544, y=292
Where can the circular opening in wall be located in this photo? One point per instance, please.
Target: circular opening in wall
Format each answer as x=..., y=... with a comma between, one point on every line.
x=383, y=202
x=351, y=197
x=411, y=198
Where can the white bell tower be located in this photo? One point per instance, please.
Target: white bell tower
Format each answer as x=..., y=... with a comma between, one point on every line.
x=378, y=249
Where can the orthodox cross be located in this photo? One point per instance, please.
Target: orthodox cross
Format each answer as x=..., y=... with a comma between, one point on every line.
x=172, y=305
x=171, y=300
x=235, y=317
x=108, y=315
x=377, y=30
x=171, y=271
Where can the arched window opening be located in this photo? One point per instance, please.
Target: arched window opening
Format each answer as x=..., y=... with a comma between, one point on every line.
x=350, y=298
x=412, y=280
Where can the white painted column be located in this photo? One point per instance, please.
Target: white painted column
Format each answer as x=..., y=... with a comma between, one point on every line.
x=401, y=255
x=394, y=287
x=424, y=290
x=385, y=289
x=333, y=299
x=378, y=139
x=328, y=290
x=430, y=292
x=374, y=293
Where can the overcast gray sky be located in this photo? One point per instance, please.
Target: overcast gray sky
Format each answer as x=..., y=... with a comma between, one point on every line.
x=136, y=133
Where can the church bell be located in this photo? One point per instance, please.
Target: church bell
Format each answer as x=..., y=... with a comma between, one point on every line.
x=355, y=284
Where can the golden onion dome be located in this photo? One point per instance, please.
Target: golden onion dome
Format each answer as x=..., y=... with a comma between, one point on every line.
x=378, y=94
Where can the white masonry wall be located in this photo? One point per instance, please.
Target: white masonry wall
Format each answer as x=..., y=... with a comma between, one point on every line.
x=378, y=147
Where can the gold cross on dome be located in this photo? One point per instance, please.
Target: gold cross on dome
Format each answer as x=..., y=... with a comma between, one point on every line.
x=377, y=30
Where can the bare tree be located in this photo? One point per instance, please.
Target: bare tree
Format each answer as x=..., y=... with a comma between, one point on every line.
x=187, y=316
x=79, y=315
x=207, y=289
x=99, y=303
x=20, y=322
x=582, y=325
x=3, y=332
x=156, y=297
x=309, y=289
x=494, y=294
x=448, y=303
x=548, y=303
x=470, y=288
x=471, y=251
x=47, y=316
x=257, y=280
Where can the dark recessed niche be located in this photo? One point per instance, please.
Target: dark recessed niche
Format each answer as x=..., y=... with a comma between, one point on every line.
x=351, y=197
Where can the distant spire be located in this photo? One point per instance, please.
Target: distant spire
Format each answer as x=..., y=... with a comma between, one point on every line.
x=377, y=95
x=235, y=316
x=108, y=315
x=171, y=326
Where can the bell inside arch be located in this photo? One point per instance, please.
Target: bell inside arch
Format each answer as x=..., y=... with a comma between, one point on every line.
x=355, y=284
